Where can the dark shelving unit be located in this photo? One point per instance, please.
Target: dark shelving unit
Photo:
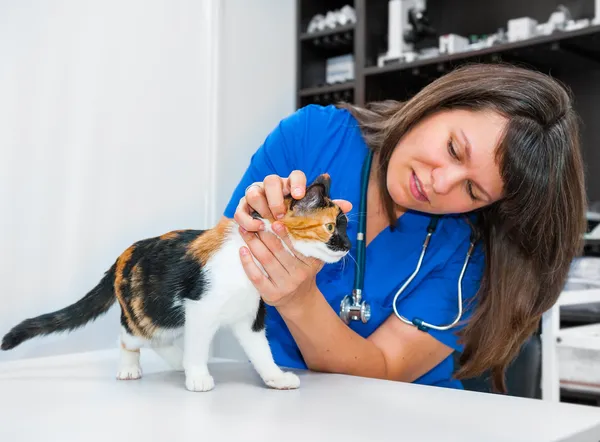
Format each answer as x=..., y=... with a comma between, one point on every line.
x=572, y=57
x=562, y=54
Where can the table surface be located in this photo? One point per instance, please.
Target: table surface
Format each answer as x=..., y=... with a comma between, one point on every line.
x=76, y=398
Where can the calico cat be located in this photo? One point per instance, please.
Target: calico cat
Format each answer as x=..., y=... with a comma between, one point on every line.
x=189, y=283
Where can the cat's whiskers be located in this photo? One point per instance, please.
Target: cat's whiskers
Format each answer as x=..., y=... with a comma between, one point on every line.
x=350, y=255
x=353, y=216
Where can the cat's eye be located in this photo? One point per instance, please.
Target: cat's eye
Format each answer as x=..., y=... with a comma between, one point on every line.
x=330, y=227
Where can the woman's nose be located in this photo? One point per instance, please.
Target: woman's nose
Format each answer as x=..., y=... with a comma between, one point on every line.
x=444, y=179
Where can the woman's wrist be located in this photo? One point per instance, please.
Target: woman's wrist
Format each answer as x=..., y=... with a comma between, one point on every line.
x=301, y=302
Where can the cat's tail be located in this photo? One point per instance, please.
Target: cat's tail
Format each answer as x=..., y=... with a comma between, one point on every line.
x=95, y=303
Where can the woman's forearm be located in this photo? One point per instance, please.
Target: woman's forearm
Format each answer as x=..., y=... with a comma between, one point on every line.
x=326, y=343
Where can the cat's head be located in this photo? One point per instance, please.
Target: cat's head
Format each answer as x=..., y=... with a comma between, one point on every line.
x=316, y=225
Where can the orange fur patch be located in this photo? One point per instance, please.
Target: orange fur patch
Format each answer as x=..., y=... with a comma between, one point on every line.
x=205, y=245
x=144, y=322
x=171, y=235
x=311, y=228
x=119, y=281
x=135, y=280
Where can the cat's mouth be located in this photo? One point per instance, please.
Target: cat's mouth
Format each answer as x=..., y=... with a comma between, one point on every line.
x=320, y=251
x=336, y=255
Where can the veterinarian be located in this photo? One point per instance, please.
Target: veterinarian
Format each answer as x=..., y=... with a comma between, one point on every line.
x=492, y=152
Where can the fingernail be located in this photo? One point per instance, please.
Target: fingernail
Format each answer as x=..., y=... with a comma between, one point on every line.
x=243, y=231
x=296, y=191
x=244, y=251
x=278, y=227
x=261, y=227
x=280, y=216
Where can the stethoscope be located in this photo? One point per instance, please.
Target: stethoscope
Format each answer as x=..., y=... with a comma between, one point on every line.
x=353, y=307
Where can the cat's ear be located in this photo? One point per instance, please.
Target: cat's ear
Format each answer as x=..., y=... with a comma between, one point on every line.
x=315, y=195
x=324, y=180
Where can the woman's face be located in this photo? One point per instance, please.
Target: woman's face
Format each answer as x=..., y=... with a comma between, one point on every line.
x=446, y=163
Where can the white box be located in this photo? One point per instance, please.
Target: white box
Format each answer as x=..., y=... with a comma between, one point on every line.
x=452, y=43
x=339, y=69
x=578, y=351
x=521, y=28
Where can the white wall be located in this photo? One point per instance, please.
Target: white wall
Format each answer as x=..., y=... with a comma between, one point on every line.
x=103, y=139
x=105, y=121
x=257, y=89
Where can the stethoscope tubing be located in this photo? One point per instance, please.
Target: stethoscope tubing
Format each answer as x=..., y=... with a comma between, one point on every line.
x=361, y=258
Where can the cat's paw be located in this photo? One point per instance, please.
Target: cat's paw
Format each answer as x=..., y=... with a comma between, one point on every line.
x=284, y=381
x=199, y=382
x=129, y=373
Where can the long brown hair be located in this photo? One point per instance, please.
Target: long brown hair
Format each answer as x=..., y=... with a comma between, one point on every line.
x=532, y=234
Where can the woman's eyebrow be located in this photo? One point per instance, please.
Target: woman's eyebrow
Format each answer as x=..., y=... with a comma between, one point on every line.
x=468, y=148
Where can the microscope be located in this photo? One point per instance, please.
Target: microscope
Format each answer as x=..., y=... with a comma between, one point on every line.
x=408, y=27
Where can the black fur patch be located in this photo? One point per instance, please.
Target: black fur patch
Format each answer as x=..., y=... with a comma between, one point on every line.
x=259, y=321
x=339, y=240
x=168, y=277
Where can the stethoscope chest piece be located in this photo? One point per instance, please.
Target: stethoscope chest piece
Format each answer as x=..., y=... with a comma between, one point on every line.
x=353, y=309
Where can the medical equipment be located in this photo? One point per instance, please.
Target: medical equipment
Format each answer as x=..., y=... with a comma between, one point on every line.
x=354, y=307
x=521, y=28
x=408, y=25
x=339, y=69
x=344, y=16
x=452, y=43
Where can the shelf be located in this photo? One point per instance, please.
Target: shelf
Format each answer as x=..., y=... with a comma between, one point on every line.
x=592, y=241
x=326, y=89
x=327, y=32
x=576, y=49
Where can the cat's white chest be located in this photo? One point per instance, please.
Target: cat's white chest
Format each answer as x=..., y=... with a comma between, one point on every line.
x=227, y=283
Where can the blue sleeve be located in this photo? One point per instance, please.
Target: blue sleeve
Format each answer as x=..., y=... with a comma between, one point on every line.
x=280, y=154
x=435, y=299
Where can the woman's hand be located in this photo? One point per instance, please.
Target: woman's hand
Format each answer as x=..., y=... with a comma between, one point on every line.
x=291, y=277
x=267, y=199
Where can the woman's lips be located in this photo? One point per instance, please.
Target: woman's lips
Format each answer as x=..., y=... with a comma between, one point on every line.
x=416, y=188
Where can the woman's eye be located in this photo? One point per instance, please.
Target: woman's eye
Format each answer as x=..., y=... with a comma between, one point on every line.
x=470, y=190
x=451, y=149
x=330, y=227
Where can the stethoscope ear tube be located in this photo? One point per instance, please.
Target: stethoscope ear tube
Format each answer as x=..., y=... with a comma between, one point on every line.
x=353, y=307
x=362, y=223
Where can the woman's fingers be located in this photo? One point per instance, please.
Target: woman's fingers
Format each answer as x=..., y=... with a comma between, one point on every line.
x=266, y=256
x=273, y=185
x=256, y=199
x=286, y=270
x=287, y=259
x=346, y=206
x=280, y=230
x=267, y=198
x=243, y=217
x=263, y=284
x=295, y=184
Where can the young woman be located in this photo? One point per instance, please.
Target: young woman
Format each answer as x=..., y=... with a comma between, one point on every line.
x=495, y=142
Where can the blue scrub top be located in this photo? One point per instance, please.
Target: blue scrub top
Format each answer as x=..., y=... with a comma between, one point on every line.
x=317, y=139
